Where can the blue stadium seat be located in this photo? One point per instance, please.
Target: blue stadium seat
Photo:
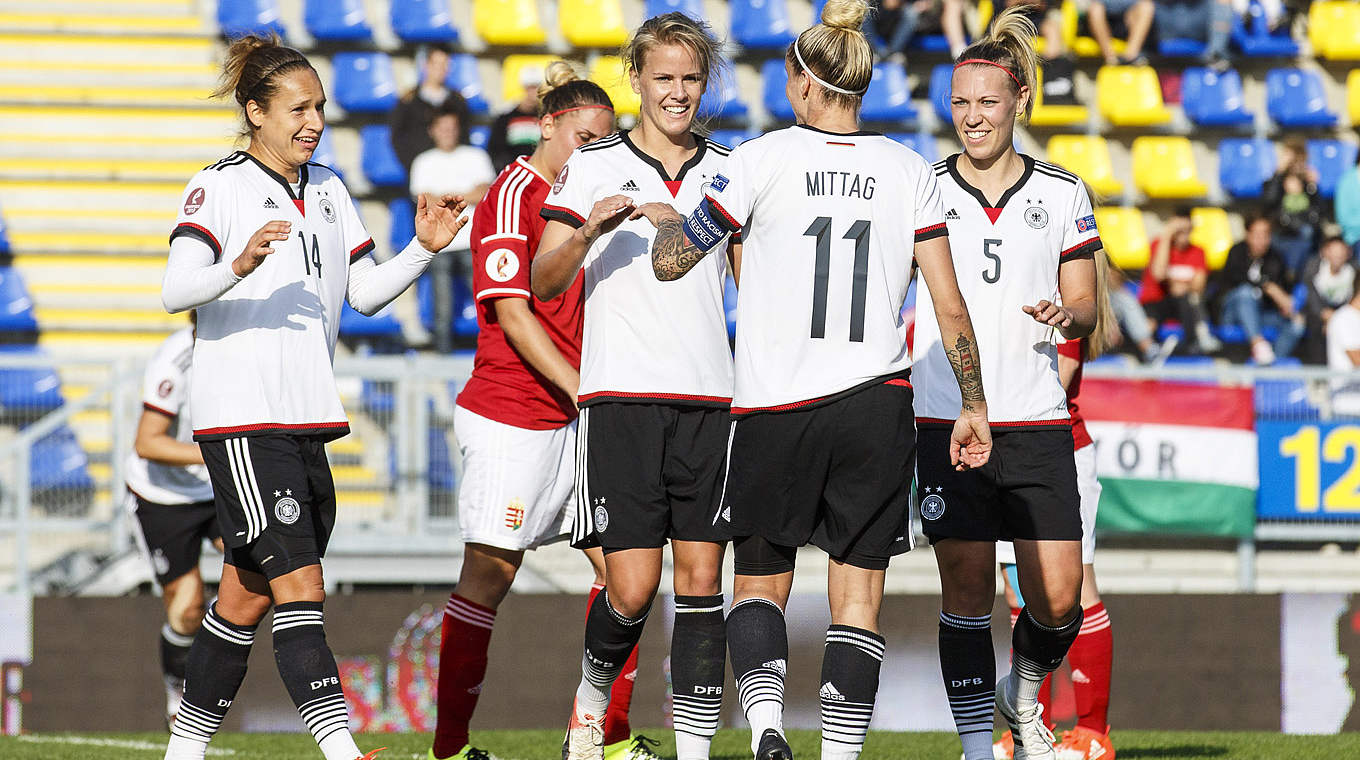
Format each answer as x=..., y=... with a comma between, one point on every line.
x=363, y=82
x=1296, y=98
x=722, y=100
x=441, y=476
x=402, y=221
x=1254, y=37
x=464, y=307
x=1180, y=47
x=691, y=8
x=1211, y=99
x=776, y=103
x=384, y=324
x=59, y=463
x=731, y=137
x=16, y=308
x=27, y=391
x=889, y=95
x=423, y=21
x=730, y=305
x=761, y=24
x=1244, y=164
x=337, y=21
x=464, y=79
x=479, y=135
x=325, y=153
x=941, y=85
x=1331, y=159
x=237, y=18
x=1284, y=400
x=379, y=160
x=4, y=236
x=921, y=142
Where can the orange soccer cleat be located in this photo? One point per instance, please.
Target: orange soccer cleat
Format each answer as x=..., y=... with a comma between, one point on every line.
x=1004, y=748
x=1082, y=743
x=371, y=755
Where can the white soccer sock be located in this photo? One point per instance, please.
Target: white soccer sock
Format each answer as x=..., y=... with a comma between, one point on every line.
x=339, y=745
x=183, y=748
x=691, y=747
x=763, y=716
x=592, y=699
x=977, y=746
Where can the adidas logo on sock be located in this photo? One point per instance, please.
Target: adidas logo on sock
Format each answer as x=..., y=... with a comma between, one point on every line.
x=629, y=187
x=951, y=214
x=779, y=666
x=829, y=691
x=1079, y=677
x=269, y=203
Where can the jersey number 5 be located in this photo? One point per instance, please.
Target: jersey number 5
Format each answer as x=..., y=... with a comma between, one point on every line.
x=858, y=232
x=312, y=261
x=994, y=274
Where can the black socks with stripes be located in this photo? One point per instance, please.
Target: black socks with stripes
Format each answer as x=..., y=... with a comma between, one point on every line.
x=309, y=672
x=610, y=638
x=758, y=644
x=851, y=660
x=698, y=664
x=213, y=673
x=968, y=665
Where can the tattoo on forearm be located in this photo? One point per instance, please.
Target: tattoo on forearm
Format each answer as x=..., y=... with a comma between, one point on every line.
x=672, y=253
x=967, y=370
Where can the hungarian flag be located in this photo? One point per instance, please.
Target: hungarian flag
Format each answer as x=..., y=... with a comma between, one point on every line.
x=1173, y=457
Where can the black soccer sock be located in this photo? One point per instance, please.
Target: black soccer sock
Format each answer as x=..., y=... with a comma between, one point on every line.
x=174, y=653
x=308, y=670
x=610, y=638
x=213, y=672
x=698, y=664
x=758, y=644
x=1039, y=650
x=968, y=666
x=850, y=665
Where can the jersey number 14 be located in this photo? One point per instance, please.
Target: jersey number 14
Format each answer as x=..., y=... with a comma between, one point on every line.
x=313, y=260
x=859, y=282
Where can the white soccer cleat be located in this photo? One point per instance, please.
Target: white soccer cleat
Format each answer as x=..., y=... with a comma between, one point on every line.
x=1033, y=740
x=585, y=736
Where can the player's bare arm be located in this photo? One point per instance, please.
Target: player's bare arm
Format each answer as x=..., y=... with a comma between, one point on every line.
x=439, y=220
x=1076, y=317
x=258, y=247
x=531, y=342
x=562, y=249
x=154, y=442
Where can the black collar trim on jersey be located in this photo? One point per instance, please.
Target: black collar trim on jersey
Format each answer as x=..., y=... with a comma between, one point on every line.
x=953, y=164
x=699, y=141
x=860, y=133
x=279, y=178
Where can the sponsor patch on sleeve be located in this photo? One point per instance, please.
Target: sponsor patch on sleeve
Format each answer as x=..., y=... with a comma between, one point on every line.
x=1086, y=223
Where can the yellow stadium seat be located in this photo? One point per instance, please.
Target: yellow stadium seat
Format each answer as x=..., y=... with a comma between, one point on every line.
x=1334, y=29
x=592, y=23
x=1131, y=96
x=1353, y=96
x=1209, y=229
x=511, y=89
x=1164, y=167
x=508, y=22
x=1086, y=47
x=608, y=72
x=1124, y=236
x=1088, y=157
x=1054, y=116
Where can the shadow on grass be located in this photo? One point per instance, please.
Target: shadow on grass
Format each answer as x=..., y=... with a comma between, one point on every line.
x=1176, y=750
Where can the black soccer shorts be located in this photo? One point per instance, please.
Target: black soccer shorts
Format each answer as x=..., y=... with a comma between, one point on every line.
x=275, y=500
x=173, y=534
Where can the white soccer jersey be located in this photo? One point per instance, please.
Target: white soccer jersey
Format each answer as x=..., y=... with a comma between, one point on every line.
x=1006, y=257
x=165, y=389
x=828, y=224
x=645, y=340
x=262, y=359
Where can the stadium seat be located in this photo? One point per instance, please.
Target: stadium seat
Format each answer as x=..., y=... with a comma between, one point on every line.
x=1164, y=167
x=363, y=82
x=1244, y=165
x=27, y=393
x=730, y=305
x=16, y=308
x=508, y=22
x=1130, y=96
x=776, y=103
x=1180, y=47
x=889, y=96
x=1124, y=236
x=692, y=8
x=464, y=307
x=422, y=21
x=379, y=160
x=1211, y=99
x=1255, y=38
x=336, y=21
x=608, y=72
x=1295, y=98
x=1057, y=115
x=592, y=23
x=4, y=236
x=325, y=153
x=479, y=135
x=237, y=18
x=1086, y=47
x=401, y=214
x=1334, y=29
x=761, y=24
x=941, y=85
x=722, y=100
x=1353, y=97
x=1088, y=157
x=1209, y=229
x=59, y=463
x=440, y=459
x=465, y=80
x=511, y=90
x=384, y=324
x=731, y=137
x=921, y=142
x=1331, y=159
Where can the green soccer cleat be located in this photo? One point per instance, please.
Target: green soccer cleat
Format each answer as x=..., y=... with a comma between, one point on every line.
x=635, y=747
x=466, y=753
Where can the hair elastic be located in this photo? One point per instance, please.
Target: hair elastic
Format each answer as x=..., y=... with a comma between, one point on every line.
x=806, y=70
x=990, y=63
x=555, y=114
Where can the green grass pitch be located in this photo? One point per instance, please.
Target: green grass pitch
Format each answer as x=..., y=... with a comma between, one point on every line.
x=729, y=745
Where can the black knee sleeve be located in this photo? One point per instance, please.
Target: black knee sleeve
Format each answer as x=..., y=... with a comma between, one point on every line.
x=753, y=555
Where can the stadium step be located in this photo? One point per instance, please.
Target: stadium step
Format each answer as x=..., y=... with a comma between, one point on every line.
x=111, y=169
x=132, y=46
x=41, y=271
x=75, y=195
x=105, y=7
x=146, y=221
x=200, y=151
x=95, y=124
x=104, y=95
x=116, y=320
x=201, y=77
x=84, y=343
x=109, y=24
x=101, y=296
x=89, y=242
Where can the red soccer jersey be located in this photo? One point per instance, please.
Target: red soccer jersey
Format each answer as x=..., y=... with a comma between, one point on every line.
x=506, y=228
x=1080, y=438
x=1181, y=264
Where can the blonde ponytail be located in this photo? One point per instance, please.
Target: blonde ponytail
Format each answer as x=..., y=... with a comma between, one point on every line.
x=835, y=53
x=1009, y=43
x=563, y=89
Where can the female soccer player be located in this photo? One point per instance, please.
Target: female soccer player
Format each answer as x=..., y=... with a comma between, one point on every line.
x=1023, y=240
x=267, y=246
x=516, y=415
x=821, y=446
x=656, y=382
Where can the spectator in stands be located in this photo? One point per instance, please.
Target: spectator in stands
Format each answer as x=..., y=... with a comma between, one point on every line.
x=515, y=132
x=894, y=23
x=450, y=168
x=1291, y=198
x=1331, y=278
x=1343, y=355
x=1348, y=207
x=1255, y=286
x=1209, y=21
x=1174, y=282
x=1059, y=65
x=1133, y=321
x=1132, y=19
x=411, y=118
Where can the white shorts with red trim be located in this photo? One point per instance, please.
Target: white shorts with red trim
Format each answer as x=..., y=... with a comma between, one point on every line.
x=517, y=483
x=1088, y=486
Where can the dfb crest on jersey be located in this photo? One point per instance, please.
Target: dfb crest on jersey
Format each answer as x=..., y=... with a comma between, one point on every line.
x=287, y=510
x=1036, y=217
x=601, y=516
x=327, y=210
x=560, y=182
x=932, y=506
x=502, y=264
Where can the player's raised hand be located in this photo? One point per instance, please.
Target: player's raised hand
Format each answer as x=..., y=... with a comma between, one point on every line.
x=258, y=247
x=606, y=215
x=655, y=212
x=970, y=443
x=438, y=220
x=1051, y=314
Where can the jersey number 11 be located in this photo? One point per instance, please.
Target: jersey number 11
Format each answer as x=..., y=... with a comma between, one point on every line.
x=858, y=232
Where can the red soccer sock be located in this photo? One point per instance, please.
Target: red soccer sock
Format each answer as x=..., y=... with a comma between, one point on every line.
x=616, y=726
x=462, y=666
x=1046, y=699
x=1090, y=657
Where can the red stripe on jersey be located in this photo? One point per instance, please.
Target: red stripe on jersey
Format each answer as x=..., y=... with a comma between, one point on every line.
x=673, y=185
x=301, y=206
x=993, y=213
x=273, y=426
x=1088, y=246
x=154, y=408
x=847, y=145
x=900, y=382
x=556, y=212
x=730, y=219
x=217, y=247
x=657, y=396
x=361, y=250
x=931, y=232
x=1012, y=424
